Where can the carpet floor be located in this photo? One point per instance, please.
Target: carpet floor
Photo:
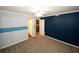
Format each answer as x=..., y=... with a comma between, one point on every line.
x=40, y=44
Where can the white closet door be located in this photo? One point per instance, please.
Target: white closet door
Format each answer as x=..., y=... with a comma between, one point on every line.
x=41, y=25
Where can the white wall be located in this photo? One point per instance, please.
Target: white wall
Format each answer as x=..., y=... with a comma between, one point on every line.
x=34, y=26
x=11, y=38
x=12, y=19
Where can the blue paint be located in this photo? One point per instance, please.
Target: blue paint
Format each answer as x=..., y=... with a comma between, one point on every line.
x=64, y=27
x=3, y=30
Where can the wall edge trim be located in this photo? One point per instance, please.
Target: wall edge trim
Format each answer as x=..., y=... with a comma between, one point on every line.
x=12, y=44
x=63, y=13
x=62, y=41
x=15, y=12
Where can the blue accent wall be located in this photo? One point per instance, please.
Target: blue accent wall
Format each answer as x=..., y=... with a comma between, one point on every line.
x=64, y=27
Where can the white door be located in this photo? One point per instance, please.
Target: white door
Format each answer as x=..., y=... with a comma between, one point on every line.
x=41, y=26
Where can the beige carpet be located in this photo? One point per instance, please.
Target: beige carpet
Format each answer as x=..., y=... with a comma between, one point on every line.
x=40, y=44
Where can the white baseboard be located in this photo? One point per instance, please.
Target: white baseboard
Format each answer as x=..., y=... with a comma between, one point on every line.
x=61, y=41
x=8, y=45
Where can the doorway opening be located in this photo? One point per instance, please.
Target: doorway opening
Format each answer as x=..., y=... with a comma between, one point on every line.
x=29, y=28
x=37, y=26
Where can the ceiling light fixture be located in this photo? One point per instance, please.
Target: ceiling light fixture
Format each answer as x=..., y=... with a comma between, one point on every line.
x=38, y=14
x=39, y=10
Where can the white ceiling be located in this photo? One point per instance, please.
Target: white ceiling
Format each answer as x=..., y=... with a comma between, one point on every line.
x=49, y=10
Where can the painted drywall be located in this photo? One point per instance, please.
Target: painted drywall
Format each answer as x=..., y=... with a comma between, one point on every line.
x=31, y=26
x=14, y=25
x=64, y=27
